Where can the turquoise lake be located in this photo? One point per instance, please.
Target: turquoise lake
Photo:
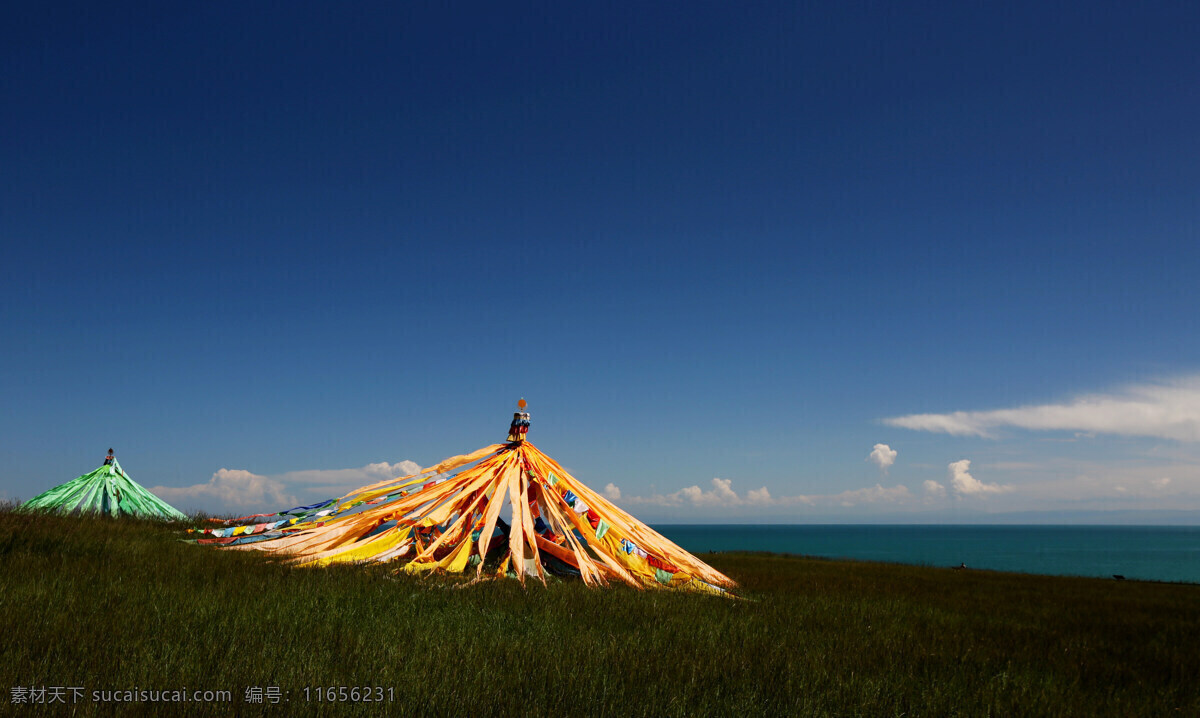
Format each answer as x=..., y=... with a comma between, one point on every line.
x=1159, y=553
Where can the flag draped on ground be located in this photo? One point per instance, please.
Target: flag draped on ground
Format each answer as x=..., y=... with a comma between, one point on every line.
x=446, y=518
x=107, y=490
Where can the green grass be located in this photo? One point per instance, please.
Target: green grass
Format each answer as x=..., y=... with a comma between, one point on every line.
x=109, y=605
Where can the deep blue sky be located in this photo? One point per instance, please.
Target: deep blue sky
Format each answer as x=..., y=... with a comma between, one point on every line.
x=703, y=239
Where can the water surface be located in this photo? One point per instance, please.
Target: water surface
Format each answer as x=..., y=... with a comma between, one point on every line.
x=1161, y=553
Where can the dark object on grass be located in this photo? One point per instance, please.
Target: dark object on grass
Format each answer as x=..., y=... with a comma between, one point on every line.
x=1118, y=576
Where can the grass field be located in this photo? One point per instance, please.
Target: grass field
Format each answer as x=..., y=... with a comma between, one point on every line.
x=108, y=605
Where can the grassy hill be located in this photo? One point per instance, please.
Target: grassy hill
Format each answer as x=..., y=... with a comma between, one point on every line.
x=107, y=605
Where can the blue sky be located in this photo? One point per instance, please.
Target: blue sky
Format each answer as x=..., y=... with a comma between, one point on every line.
x=268, y=250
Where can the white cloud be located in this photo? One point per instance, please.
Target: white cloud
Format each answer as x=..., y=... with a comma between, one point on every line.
x=883, y=456
x=933, y=488
x=871, y=495
x=721, y=494
x=238, y=489
x=612, y=491
x=1071, y=484
x=231, y=488
x=959, y=423
x=1165, y=410
x=966, y=485
x=340, y=481
x=758, y=496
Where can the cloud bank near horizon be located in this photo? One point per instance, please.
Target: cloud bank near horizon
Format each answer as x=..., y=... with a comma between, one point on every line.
x=722, y=495
x=239, y=489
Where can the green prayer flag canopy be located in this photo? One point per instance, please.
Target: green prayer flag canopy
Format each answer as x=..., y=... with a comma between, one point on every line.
x=107, y=490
